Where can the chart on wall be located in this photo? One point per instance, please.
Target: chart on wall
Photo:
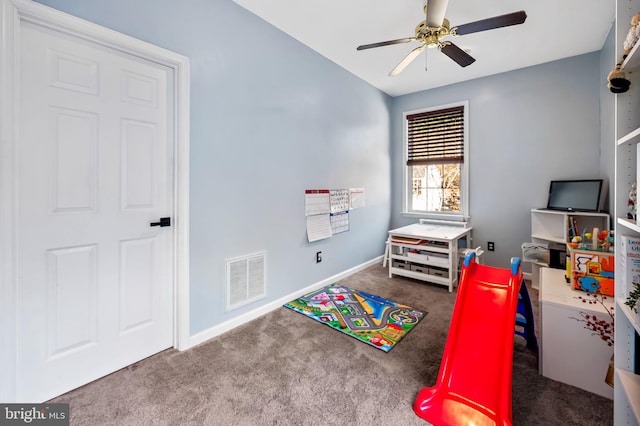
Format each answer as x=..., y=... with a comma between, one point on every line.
x=327, y=211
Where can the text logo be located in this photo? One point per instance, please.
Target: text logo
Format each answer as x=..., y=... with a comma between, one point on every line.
x=34, y=414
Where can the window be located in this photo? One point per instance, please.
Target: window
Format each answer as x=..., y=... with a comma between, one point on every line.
x=436, y=172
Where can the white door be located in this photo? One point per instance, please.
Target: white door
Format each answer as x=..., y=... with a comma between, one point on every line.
x=94, y=279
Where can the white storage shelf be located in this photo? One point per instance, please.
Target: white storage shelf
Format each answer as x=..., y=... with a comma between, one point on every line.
x=627, y=125
x=629, y=224
x=436, y=260
x=551, y=226
x=630, y=138
x=628, y=324
x=631, y=388
x=627, y=405
x=631, y=316
x=427, y=257
x=627, y=384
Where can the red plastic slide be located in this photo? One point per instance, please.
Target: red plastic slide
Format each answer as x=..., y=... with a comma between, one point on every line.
x=474, y=381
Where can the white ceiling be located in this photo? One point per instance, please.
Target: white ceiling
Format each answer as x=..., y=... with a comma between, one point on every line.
x=554, y=29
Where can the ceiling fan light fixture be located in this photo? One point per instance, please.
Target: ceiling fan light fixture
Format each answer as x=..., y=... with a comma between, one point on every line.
x=431, y=35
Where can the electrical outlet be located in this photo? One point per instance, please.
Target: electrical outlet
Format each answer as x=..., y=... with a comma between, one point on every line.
x=319, y=257
x=491, y=246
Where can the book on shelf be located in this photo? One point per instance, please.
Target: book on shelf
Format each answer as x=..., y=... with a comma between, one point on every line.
x=572, y=227
x=629, y=263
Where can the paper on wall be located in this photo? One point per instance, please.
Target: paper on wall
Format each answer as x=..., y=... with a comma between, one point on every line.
x=339, y=222
x=356, y=196
x=339, y=200
x=317, y=201
x=318, y=227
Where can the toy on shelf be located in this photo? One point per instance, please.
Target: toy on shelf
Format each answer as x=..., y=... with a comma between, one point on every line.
x=595, y=241
x=576, y=241
x=592, y=271
x=612, y=242
x=587, y=240
x=632, y=36
x=617, y=80
x=603, y=241
x=631, y=202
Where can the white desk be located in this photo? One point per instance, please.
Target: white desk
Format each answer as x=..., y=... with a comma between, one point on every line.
x=569, y=353
x=427, y=252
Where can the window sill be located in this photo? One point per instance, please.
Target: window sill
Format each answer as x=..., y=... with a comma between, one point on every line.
x=431, y=216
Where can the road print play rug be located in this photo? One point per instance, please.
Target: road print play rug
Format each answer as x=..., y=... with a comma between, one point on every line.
x=371, y=319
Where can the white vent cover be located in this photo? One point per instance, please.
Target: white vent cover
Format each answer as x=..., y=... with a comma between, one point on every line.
x=245, y=280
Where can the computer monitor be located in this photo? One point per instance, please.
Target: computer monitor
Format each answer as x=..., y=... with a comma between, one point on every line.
x=585, y=195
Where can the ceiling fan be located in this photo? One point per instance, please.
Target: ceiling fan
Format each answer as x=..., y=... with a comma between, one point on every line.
x=431, y=31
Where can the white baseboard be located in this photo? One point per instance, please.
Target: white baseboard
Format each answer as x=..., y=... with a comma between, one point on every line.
x=222, y=328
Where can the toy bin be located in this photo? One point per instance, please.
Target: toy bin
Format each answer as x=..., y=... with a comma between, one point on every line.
x=592, y=271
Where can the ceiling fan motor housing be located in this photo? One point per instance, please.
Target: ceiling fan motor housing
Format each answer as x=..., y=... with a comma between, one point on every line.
x=430, y=35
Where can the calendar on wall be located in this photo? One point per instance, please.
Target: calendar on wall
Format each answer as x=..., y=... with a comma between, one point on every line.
x=327, y=211
x=339, y=200
x=339, y=222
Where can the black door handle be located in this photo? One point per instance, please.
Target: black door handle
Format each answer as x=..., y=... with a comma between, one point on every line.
x=164, y=221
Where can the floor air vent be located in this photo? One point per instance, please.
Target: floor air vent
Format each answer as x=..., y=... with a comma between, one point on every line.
x=245, y=280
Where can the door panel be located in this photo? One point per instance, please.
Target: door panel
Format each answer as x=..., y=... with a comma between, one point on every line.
x=138, y=145
x=74, y=167
x=71, y=299
x=95, y=281
x=71, y=72
x=137, y=277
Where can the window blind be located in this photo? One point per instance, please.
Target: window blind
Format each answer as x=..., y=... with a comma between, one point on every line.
x=436, y=137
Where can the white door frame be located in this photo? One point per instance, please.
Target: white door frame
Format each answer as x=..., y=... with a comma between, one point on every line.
x=12, y=14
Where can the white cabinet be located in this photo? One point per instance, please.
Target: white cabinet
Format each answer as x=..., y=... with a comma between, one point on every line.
x=627, y=128
x=552, y=226
x=426, y=252
x=568, y=352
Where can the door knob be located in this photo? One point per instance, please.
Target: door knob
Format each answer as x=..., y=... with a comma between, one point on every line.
x=164, y=221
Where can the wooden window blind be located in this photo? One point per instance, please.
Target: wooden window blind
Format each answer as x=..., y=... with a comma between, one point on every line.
x=436, y=137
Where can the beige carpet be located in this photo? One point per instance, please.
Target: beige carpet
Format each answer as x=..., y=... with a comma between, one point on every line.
x=285, y=369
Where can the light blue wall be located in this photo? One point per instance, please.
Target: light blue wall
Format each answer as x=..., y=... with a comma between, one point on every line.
x=607, y=124
x=269, y=119
x=526, y=127
x=299, y=121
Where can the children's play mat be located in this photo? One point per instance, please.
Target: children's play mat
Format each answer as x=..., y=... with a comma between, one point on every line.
x=371, y=319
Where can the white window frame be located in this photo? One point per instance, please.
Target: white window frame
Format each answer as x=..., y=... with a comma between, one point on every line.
x=407, y=180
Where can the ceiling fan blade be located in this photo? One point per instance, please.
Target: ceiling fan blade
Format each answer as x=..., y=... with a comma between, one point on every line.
x=435, y=12
x=458, y=55
x=406, y=60
x=509, y=19
x=385, y=43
